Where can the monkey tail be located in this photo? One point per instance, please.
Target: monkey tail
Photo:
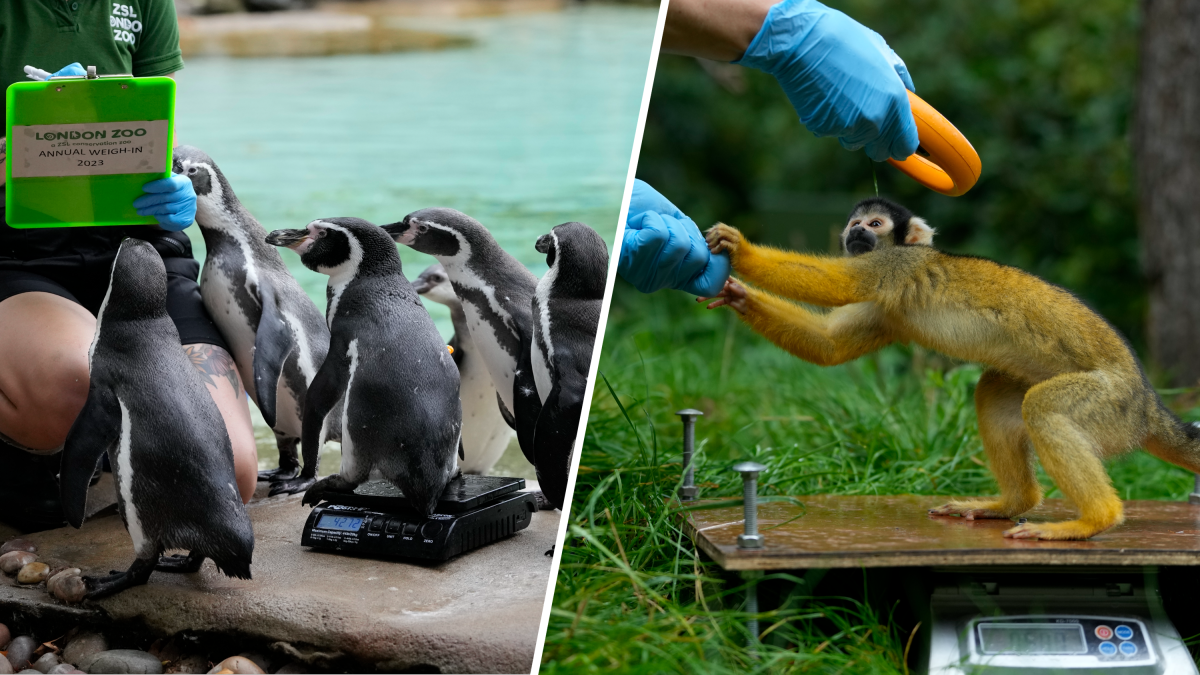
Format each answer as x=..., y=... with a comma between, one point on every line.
x=1172, y=439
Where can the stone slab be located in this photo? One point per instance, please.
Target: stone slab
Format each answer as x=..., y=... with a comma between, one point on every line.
x=897, y=531
x=478, y=612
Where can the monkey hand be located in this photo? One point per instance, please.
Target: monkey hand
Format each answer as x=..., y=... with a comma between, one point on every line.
x=722, y=238
x=733, y=295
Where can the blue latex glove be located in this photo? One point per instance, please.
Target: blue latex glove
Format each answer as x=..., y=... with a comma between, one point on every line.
x=73, y=70
x=663, y=248
x=171, y=201
x=841, y=77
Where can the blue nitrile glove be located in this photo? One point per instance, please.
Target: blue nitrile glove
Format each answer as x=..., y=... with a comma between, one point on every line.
x=73, y=70
x=841, y=77
x=663, y=248
x=171, y=201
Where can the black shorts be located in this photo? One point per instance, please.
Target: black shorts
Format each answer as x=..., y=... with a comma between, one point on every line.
x=78, y=269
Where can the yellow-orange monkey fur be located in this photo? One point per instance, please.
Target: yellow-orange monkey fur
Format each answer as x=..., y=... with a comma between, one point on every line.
x=1060, y=381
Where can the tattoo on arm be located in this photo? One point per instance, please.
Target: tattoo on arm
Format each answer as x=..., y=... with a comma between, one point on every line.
x=213, y=363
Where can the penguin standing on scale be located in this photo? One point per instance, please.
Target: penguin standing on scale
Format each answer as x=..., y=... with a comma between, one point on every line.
x=171, y=455
x=566, y=315
x=277, y=335
x=387, y=366
x=485, y=433
x=496, y=292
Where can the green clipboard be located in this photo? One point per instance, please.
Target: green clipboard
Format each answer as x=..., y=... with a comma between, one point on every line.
x=80, y=149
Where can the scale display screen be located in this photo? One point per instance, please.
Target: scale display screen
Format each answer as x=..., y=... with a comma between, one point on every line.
x=1031, y=638
x=330, y=521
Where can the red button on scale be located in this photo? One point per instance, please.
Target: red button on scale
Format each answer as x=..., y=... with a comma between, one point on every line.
x=1104, y=632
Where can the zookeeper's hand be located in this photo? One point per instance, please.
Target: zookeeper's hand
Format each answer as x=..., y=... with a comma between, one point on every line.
x=663, y=248
x=841, y=77
x=72, y=70
x=171, y=201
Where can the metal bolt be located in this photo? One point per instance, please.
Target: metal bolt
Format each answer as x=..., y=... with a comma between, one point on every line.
x=752, y=578
x=688, y=491
x=750, y=471
x=1194, y=498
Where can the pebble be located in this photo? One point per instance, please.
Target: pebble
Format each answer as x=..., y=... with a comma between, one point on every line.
x=18, y=544
x=67, y=585
x=13, y=561
x=5, y=636
x=258, y=659
x=193, y=663
x=123, y=661
x=6, y=667
x=30, y=670
x=237, y=664
x=46, y=662
x=33, y=573
x=293, y=668
x=62, y=668
x=20, y=650
x=83, y=646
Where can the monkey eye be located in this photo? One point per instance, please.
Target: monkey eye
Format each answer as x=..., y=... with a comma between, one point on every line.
x=876, y=223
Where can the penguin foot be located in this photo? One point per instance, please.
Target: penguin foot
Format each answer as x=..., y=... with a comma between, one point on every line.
x=543, y=504
x=290, y=486
x=332, y=483
x=137, y=574
x=180, y=564
x=282, y=473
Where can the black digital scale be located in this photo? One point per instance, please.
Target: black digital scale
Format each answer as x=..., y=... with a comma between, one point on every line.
x=376, y=519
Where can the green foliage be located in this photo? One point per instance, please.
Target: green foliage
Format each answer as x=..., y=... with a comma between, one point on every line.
x=1042, y=88
x=633, y=595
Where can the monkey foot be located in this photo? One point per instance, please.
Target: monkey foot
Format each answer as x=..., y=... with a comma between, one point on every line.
x=180, y=564
x=978, y=510
x=282, y=473
x=1071, y=529
x=722, y=237
x=290, y=486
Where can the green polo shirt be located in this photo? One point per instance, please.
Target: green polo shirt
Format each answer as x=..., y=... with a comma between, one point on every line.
x=139, y=37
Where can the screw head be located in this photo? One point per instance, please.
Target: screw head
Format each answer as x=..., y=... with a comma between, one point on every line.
x=750, y=541
x=749, y=467
x=688, y=492
x=689, y=412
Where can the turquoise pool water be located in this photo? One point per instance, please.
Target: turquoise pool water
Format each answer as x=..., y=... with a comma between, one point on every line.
x=531, y=126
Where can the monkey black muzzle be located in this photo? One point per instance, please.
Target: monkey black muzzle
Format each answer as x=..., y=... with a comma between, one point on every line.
x=292, y=239
x=860, y=240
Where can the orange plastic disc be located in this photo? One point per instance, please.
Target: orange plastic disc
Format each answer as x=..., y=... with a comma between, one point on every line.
x=953, y=166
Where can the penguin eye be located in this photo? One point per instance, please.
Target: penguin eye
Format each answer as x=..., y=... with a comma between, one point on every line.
x=192, y=170
x=321, y=234
x=422, y=229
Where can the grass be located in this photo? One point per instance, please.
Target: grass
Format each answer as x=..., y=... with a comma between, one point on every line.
x=634, y=595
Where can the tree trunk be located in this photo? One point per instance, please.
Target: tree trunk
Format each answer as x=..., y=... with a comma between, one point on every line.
x=1167, y=152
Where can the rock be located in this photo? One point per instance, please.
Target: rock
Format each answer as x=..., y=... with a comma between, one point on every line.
x=293, y=668
x=13, y=561
x=84, y=646
x=5, y=636
x=18, y=545
x=6, y=667
x=193, y=663
x=20, y=650
x=123, y=661
x=34, y=572
x=67, y=586
x=237, y=664
x=62, y=668
x=30, y=670
x=46, y=662
x=258, y=659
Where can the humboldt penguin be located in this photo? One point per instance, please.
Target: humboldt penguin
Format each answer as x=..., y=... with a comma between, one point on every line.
x=496, y=291
x=170, y=452
x=397, y=383
x=485, y=433
x=566, y=316
x=275, y=331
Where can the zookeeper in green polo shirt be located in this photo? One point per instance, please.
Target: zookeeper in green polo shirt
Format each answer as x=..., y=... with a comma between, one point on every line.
x=52, y=281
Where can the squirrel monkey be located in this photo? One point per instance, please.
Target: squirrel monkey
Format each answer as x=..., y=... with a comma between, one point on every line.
x=1060, y=381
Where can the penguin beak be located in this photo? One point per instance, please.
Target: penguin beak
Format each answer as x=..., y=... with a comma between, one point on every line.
x=293, y=239
x=403, y=232
x=422, y=285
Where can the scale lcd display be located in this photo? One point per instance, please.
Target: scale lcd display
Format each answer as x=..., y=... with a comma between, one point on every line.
x=1032, y=638
x=331, y=522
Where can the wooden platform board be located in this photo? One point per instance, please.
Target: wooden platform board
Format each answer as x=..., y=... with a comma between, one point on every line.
x=897, y=531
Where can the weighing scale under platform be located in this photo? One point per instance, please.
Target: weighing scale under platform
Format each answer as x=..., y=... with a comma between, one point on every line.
x=376, y=519
x=997, y=605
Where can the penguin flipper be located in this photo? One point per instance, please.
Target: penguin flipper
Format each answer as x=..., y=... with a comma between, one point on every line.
x=508, y=416
x=326, y=390
x=554, y=440
x=272, y=344
x=95, y=430
x=527, y=405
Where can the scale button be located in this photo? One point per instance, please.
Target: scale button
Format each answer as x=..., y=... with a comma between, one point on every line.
x=1128, y=648
x=1104, y=632
x=431, y=529
x=376, y=524
x=410, y=528
x=1124, y=632
x=1108, y=648
x=393, y=526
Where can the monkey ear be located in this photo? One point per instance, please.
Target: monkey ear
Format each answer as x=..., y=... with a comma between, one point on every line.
x=919, y=233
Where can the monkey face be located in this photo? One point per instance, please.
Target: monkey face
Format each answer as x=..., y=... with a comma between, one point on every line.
x=879, y=223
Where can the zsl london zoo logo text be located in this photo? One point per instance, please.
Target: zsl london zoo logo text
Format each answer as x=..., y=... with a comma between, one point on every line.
x=125, y=23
